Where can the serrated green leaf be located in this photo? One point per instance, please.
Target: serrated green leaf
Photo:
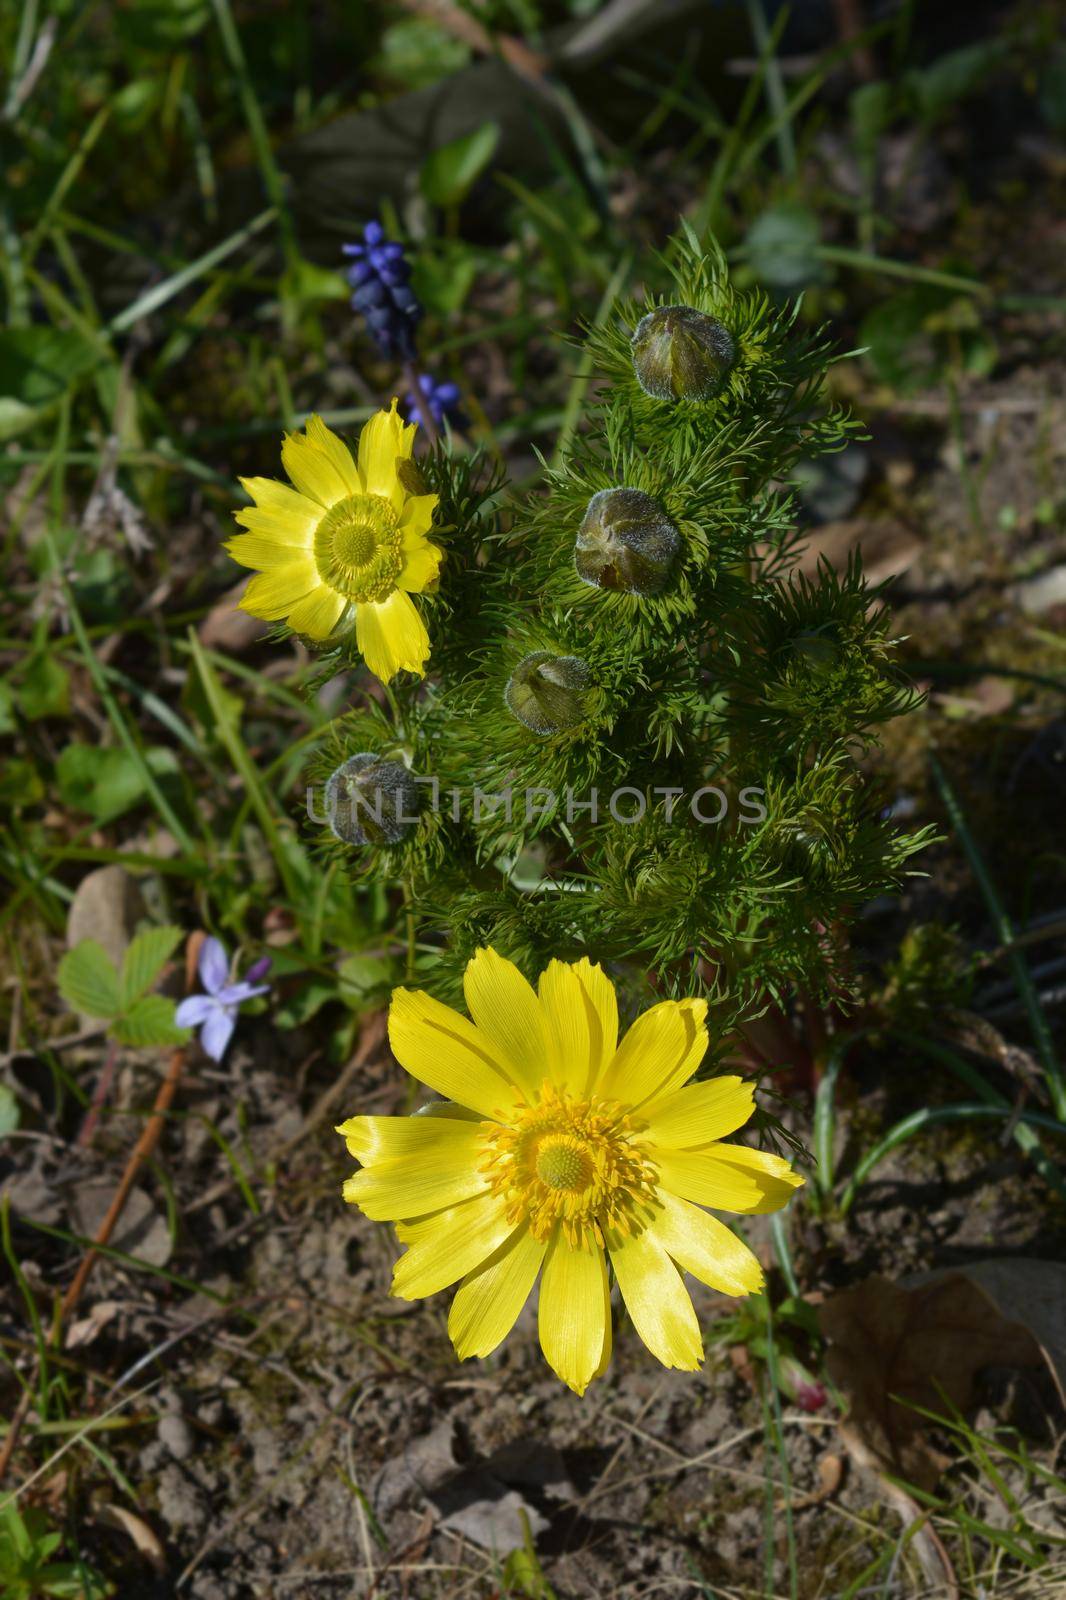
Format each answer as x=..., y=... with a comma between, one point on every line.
x=145, y=958
x=448, y=174
x=149, y=1022
x=88, y=981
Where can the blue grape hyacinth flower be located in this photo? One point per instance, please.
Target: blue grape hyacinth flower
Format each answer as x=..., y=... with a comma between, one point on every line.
x=379, y=276
x=215, y=1012
x=439, y=399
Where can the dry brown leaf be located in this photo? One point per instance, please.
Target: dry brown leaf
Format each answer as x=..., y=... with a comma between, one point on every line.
x=227, y=628
x=135, y=1528
x=107, y=907
x=888, y=547
x=1025, y=1291
x=892, y=1348
x=87, y=1328
x=830, y=1477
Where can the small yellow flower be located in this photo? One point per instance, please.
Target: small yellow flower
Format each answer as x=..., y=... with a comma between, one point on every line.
x=558, y=1148
x=348, y=538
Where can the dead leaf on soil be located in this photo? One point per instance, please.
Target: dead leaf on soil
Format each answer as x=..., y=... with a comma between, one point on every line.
x=86, y=1329
x=1032, y=1293
x=896, y=1346
x=892, y=1348
x=830, y=1477
x=227, y=628
x=888, y=547
x=107, y=907
x=124, y=1521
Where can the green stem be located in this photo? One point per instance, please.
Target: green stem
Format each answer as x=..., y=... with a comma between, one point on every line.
x=238, y=754
x=775, y=89
x=99, y=680
x=268, y=167
x=929, y=1117
x=1005, y=931
x=901, y=269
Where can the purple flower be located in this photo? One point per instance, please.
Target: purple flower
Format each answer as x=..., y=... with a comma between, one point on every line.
x=440, y=399
x=379, y=276
x=215, y=1013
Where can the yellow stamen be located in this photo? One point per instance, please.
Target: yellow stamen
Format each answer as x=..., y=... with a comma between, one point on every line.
x=358, y=548
x=575, y=1162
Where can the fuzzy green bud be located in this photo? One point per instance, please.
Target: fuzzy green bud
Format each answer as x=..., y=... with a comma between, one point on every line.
x=626, y=542
x=682, y=354
x=371, y=801
x=547, y=692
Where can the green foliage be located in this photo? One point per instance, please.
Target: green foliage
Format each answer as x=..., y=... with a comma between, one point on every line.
x=89, y=983
x=451, y=171
x=27, y=1572
x=694, y=811
x=107, y=783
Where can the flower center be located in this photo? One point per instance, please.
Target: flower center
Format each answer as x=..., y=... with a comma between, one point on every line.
x=574, y=1162
x=357, y=548
x=564, y=1166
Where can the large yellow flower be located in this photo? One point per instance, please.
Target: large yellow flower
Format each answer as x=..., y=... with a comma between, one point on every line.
x=348, y=538
x=556, y=1147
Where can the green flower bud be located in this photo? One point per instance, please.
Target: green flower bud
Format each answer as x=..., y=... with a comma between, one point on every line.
x=682, y=354
x=546, y=692
x=626, y=542
x=371, y=801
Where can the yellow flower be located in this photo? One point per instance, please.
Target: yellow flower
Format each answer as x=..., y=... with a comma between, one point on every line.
x=347, y=538
x=558, y=1148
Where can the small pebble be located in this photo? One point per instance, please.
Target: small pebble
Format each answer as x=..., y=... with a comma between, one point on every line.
x=176, y=1434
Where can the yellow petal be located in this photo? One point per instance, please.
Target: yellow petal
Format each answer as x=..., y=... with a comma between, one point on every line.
x=421, y=564
x=488, y=1300
x=574, y=1316
x=382, y=443
x=443, y=1049
x=702, y=1245
x=373, y=1139
x=729, y=1177
x=448, y=1246
x=258, y=551
x=507, y=1012
x=318, y=614
x=417, y=516
x=657, y=1300
x=289, y=530
x=581, y=1018
x=272, y=595
x=433, y=1173
x=660, y=1052
x=271, y=495
x=700, y=1113
x=313, y=473
x=600, y=991
x=391, y=637
x=337, y=454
